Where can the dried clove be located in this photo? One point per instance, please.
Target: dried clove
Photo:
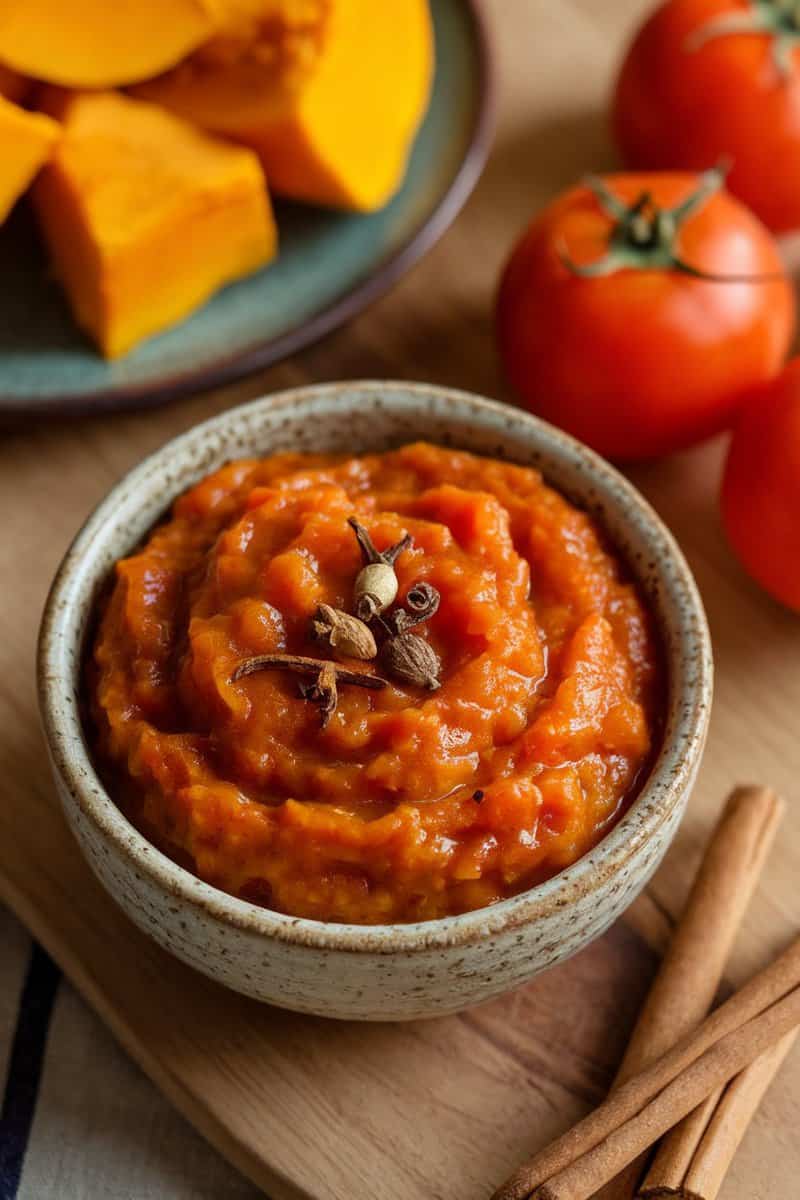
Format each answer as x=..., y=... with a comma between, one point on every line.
x=322, y=691
x=376, y=584
x=326, y=676
x=345, y=636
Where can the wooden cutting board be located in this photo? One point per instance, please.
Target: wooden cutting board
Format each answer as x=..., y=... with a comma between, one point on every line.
x=438, y=1110
x=321, y=1109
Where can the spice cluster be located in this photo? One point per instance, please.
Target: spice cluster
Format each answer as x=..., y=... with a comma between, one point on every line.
x=403, y=654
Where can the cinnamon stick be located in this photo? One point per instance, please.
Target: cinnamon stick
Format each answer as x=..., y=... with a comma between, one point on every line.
x=693, y=1160
x=676, y=1151
x=724, y=1059
x=692, y=967
x=644, y=1107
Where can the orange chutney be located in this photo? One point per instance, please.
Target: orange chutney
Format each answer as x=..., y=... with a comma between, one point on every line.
x=410, y=804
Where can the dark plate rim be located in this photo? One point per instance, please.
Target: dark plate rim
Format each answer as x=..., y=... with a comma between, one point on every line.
x=375, y=284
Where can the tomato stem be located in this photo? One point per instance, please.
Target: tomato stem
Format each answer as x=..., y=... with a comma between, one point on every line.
x=644, y=237
x=776, y=19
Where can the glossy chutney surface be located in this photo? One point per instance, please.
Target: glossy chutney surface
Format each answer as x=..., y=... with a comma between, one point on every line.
x=410, y=804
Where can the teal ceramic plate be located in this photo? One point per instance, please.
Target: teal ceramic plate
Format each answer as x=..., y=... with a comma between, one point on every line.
x=330, y=266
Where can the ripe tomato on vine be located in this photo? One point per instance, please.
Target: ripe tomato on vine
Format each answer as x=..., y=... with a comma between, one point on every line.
x=637, y=309
x=705, y=79
x=761, y=487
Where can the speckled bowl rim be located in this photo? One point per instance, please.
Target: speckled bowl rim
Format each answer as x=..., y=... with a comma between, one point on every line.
x=64, y=623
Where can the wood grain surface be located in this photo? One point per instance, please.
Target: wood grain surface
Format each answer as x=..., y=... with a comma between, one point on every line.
x=440, y=1109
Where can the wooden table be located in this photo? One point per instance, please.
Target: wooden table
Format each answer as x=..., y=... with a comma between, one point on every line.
x=524, y=1067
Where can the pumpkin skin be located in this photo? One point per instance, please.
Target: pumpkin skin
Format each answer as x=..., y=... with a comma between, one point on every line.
x=145, y=216
x=100, y=43
x=26, y=141
x=330, y=94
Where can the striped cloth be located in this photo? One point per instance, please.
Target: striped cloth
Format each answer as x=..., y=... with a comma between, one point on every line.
x=79, y=1121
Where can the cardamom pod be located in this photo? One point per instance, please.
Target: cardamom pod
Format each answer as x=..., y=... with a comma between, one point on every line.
x=413, y=660
x=376, y=583
x=345, y=636
x=374, y=590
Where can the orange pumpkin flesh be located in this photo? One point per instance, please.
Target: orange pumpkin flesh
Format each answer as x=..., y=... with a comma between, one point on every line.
x=26, y=142
x=330, y=94
x=145, y=216
x=100, y=43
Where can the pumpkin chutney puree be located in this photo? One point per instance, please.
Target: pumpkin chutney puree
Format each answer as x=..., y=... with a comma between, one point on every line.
x=409, y=804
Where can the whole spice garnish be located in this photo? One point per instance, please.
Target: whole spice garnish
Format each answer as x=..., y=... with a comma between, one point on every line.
x=326, y=678
x=422, y=601
x=405, y=655
x=323, y=692
x=376, y=583
x=411, y=658
x=345, y=636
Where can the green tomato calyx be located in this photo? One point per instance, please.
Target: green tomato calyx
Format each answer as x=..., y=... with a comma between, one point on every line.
x=645, y=237
x=776, y=19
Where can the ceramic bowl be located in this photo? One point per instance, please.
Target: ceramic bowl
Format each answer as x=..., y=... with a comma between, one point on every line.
x=390, y=971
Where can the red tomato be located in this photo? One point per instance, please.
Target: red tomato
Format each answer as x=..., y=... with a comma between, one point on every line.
x=761, y=487
x=690, y=93
x=648, y=358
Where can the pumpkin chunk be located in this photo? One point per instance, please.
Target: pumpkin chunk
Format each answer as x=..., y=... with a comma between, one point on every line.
x=330, y=93
x=26, y=141
x=100, y=43
x=145, y=216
